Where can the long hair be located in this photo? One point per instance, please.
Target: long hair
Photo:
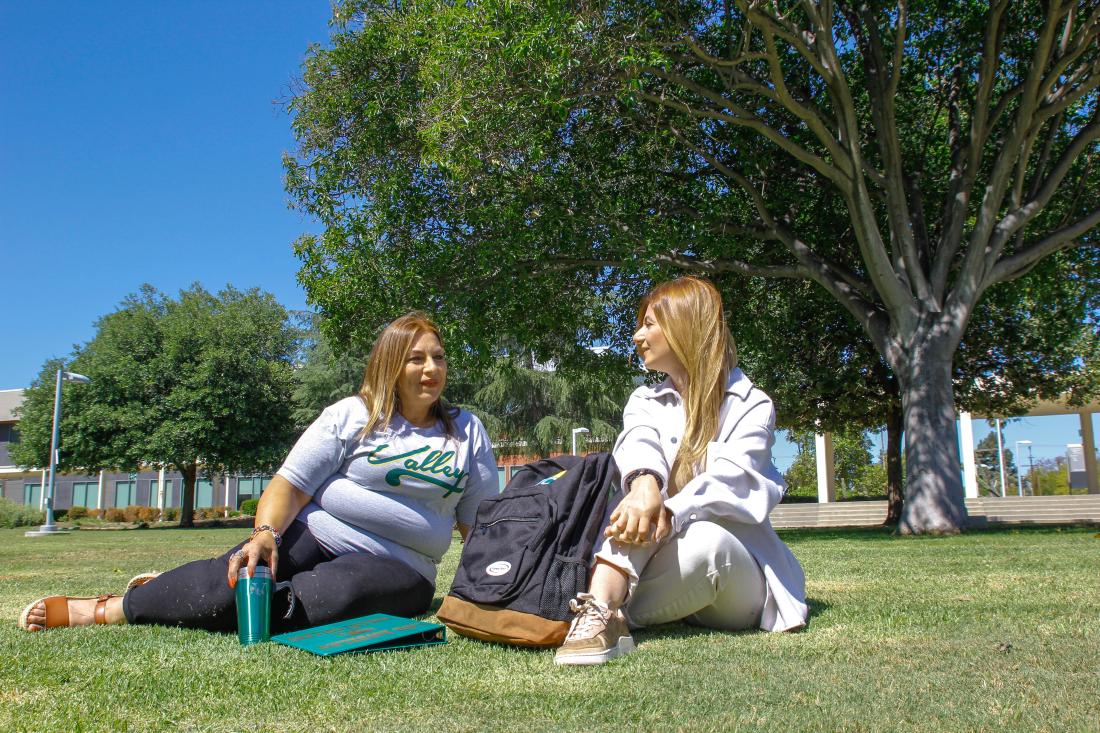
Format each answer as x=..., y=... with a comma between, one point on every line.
x=690, y=314
x=384, y=366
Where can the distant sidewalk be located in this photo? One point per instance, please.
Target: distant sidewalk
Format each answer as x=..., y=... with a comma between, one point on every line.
x=1080, y=508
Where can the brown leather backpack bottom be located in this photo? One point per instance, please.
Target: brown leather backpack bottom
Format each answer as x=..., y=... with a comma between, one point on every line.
x=500, y=625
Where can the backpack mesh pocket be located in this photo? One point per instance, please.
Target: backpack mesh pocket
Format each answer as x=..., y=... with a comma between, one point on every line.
x=566, y=577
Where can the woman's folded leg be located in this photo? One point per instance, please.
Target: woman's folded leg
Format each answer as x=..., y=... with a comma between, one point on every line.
x=350, y=586
x=704, y=575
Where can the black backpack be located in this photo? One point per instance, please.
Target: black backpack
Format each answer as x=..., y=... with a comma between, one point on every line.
x=528, y=553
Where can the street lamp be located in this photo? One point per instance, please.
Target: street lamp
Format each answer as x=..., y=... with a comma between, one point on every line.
x=575, y=432
x=49, y=528
x=1020, y=476
x=1001, y=459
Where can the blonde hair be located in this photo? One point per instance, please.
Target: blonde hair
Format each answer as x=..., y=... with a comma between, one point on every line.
x=690, y=314
x=384, y=367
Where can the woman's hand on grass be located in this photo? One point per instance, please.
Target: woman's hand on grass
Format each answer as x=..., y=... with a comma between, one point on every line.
x=641, y=517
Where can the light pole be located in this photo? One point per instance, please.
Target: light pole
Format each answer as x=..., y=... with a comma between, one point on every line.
x=1031, y=472
x=1001, y=459
x=575, y=432
x=1020, y=476
x=49, y=528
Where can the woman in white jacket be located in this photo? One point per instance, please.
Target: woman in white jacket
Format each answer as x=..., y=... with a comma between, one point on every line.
x=689, y=538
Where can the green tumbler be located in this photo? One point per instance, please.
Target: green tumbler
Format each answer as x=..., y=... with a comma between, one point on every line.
x=254, y=604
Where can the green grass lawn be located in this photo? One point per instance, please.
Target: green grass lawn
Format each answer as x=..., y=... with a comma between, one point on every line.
x=996, y=630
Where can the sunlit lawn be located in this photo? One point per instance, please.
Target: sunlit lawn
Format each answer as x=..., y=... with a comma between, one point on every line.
x=995, y=630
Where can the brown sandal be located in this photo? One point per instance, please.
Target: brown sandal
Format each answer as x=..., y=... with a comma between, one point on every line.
x=57, y=610
x=137, y=580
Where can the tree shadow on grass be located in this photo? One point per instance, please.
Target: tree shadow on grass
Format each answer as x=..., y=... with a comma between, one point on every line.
x=673, y=630
x=884, y=533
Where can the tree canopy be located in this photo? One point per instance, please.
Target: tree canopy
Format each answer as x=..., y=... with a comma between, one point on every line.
x=530, y=168
x=202, y=382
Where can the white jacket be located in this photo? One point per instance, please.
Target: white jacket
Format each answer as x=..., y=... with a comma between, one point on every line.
x=739, y=488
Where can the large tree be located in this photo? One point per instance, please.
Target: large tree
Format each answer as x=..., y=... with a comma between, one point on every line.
x=201, y=383
x=906, y=159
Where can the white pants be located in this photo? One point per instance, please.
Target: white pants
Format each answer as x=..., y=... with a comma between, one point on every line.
x=703, y=575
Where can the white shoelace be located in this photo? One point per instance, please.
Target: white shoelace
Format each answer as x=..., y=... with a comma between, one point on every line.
x=592, y=617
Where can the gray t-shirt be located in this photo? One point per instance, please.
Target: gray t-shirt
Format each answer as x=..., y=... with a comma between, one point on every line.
x=396, y=492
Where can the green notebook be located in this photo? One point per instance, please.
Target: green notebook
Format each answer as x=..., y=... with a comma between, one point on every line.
x=365, y=634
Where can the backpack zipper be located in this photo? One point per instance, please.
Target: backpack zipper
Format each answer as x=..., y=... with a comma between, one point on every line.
x=485, y=525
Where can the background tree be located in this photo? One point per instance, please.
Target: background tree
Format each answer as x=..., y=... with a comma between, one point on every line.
x=905, y=159
x=988, y=466
x=1050, y=477
x=199, y=383
x=327, y=373
x=855, y=474
x=531, y=409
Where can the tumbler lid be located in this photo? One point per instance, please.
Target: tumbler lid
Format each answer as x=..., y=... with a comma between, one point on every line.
x=261, y=571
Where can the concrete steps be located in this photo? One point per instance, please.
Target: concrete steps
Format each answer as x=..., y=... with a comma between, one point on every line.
x=985, y=510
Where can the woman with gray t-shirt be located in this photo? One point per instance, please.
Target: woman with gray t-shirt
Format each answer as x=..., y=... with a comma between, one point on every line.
x=357, y=517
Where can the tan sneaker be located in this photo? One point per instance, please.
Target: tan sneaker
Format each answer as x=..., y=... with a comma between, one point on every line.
x=596, y=635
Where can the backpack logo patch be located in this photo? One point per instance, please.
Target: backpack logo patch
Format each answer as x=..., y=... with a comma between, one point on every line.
x=500, y=567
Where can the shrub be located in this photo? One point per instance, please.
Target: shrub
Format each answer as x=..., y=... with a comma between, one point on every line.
x=95, y=513
x=132, y=513
x=19, y=515
x=59, y=514
x=148, y=514
x=249, y=507
x=171, y=514
x=211, y=512
x=114, y=515
x=78, y=512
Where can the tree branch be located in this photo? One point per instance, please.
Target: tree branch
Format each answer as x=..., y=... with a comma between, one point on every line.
x=907, y=260
x=1016, y=265
x=743, y=118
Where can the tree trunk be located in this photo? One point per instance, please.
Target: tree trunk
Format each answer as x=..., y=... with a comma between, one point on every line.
x=894, y=486
x=934, y=490
x=187, y=498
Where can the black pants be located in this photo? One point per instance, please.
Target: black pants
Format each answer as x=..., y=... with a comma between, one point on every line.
x=326, y=588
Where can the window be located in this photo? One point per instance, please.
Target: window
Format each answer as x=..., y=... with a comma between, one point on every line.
x=204, y=494
x=125, y=493
x=32, y=493
x=249, y=487
x=501, y=478
x=86, y=494
x=154, y=492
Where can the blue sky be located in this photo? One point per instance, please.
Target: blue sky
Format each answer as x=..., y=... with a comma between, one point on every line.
x=142, y=142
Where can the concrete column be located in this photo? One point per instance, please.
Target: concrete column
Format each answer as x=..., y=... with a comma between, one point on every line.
x=966, y=442
x=160, y=490
x=43, y=488
x=226, y=502
x=102, y=498
x=1088, y=443
x=826, y=480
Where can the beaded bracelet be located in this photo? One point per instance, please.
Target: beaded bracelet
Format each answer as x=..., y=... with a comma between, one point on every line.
x=638, y=473
x=267, y=528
